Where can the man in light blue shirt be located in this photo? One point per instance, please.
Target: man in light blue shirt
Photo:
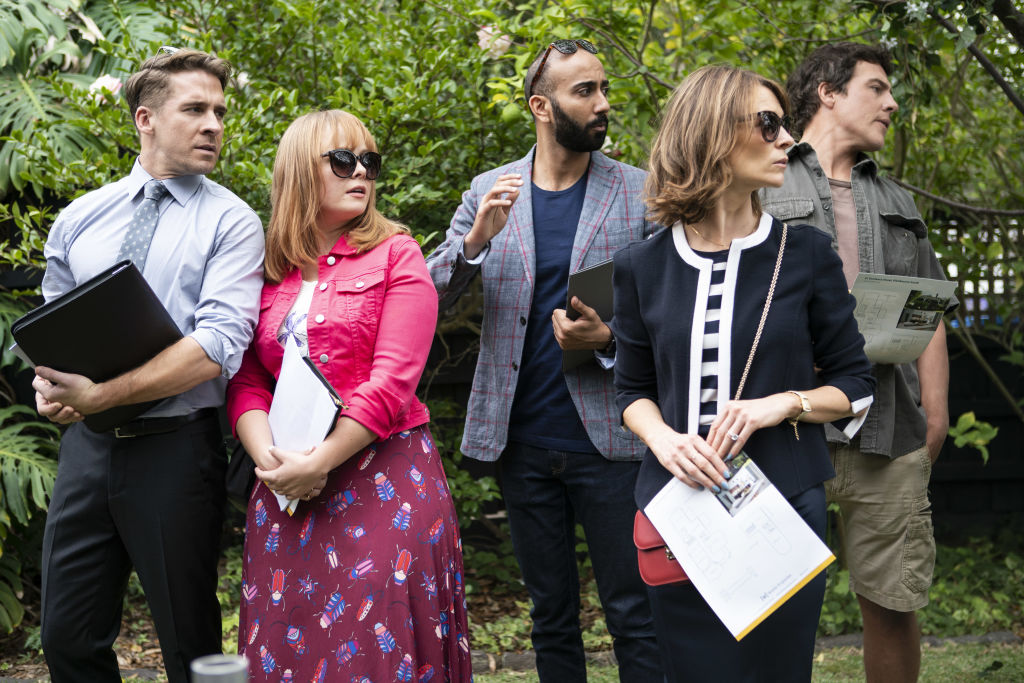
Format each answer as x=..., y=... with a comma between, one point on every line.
x=150, y=494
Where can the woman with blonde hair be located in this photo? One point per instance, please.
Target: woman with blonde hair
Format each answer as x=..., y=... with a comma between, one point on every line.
x=689, y=304
x=364, y=579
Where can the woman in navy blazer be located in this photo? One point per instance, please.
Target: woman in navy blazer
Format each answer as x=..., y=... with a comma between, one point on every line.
x=687, y=306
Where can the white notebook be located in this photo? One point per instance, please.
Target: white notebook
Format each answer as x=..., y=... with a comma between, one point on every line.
x=304, y=410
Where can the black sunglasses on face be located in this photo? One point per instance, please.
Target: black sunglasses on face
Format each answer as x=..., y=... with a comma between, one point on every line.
x=343, y=163
x=566, y=47
x=770, y=124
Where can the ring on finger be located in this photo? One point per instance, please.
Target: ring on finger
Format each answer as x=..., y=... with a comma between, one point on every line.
x=733, y=436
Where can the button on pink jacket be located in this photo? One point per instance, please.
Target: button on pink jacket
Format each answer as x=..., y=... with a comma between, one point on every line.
x=378, y=309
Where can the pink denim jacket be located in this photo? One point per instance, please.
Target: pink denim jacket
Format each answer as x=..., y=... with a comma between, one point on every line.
x=370, y=325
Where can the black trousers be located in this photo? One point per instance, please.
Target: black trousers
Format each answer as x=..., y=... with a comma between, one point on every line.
x=153, y=502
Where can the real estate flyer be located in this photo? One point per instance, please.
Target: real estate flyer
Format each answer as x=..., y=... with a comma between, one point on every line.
x=746, y=549
x=898, y=315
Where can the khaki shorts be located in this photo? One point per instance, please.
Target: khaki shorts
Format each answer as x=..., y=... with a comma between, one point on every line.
x=885, y=525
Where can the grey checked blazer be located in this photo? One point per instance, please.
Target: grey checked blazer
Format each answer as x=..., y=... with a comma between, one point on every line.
x=612, y=217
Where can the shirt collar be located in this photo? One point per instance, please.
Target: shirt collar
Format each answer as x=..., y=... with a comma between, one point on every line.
x=342, y=247
x=864, y=163
x=180, y=187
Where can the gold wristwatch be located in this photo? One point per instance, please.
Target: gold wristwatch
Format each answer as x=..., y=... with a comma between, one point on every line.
x=805, y=407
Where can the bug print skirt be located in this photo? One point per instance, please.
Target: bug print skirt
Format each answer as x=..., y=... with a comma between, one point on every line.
x=362, y=583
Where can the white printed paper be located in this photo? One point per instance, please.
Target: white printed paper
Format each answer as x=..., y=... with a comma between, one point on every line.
x=899, y=315
x=746, y=550
x=303, y=410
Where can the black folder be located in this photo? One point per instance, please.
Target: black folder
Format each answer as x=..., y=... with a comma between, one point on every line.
x=102, y=328
x=593, y=286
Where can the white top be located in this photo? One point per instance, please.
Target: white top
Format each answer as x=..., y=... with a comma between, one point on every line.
x=295, y=322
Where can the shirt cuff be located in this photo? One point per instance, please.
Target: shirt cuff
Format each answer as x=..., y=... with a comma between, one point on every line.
x=853, y=426
x=605, y=360
x=218, y=349
x=479, y=258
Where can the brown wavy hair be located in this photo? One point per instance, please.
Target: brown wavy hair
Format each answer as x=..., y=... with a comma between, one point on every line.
x=297, y=189
x=149, y=85
x=688, y=170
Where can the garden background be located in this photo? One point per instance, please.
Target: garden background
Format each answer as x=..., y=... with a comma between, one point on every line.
x=439, y=83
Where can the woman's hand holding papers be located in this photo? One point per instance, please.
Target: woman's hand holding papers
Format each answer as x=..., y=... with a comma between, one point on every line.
x=687, y=456
x=305, y=474
x=297, y=475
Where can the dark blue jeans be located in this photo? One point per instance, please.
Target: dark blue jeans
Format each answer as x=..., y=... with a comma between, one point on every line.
x=546, y=493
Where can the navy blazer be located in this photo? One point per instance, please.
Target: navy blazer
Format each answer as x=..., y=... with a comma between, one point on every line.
x=661, y=288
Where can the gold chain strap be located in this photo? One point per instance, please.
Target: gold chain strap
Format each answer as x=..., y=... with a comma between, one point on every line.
x=764, y=313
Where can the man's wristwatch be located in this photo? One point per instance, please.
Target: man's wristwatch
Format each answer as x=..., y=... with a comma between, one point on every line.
x=608, y=348
x=805, y=407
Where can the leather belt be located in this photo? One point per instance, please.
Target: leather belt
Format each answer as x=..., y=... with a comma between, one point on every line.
x=147, y=426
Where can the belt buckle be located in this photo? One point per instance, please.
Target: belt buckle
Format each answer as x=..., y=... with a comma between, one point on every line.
x=119, y=435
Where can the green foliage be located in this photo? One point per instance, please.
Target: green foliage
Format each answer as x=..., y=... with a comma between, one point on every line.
x=11, y=308
x=46, y=46
x=507, y=633
x=490, y=561
x=27, y=468
x=229, y=594
x=27, y=450
x=970, y=431
x=840, y=612
x=979, y=587
x=27, y=471
x=11, y=609
x=471, y=495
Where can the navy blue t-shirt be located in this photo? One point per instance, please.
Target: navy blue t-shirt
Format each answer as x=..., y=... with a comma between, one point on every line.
x=543, y=414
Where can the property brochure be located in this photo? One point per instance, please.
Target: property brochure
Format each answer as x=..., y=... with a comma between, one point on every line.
x=746, y=549
x=899, y=315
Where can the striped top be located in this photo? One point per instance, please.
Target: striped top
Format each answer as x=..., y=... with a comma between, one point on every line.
x=709, y=357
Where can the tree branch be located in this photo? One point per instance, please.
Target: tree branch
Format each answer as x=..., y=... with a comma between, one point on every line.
x=648, y=76
x=985, y=62
x=973, y=350
x=957, y=205
x=791, y=38
x=1012, y=18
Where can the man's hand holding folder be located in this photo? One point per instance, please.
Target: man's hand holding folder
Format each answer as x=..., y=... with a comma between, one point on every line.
x=53, y=410
x=174, y=370
x=581, y=328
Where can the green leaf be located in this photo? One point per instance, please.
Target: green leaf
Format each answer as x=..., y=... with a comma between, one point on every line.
x=966, y=38
x=965, y=421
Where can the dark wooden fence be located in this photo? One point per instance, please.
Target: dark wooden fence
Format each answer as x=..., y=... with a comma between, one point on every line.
x=967, y=494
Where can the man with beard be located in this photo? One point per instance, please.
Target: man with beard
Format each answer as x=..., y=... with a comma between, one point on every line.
x=563, y=457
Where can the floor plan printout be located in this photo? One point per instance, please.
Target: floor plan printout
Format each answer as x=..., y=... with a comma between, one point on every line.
x=898, y=315
x=746, y=549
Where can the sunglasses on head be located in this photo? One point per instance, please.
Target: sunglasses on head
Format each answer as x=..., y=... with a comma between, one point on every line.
x=770, y=124
x=343, y=163
x=566, y=47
